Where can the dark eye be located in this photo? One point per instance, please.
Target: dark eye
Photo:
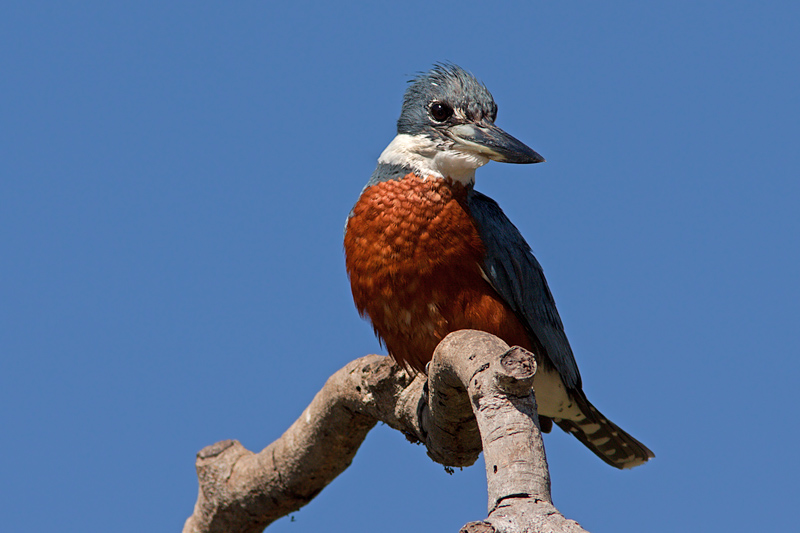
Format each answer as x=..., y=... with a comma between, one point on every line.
x=441, y=112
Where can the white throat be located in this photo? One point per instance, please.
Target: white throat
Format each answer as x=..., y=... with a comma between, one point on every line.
x=432, y=159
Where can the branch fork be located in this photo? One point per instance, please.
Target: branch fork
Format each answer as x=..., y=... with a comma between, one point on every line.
x=477, y=396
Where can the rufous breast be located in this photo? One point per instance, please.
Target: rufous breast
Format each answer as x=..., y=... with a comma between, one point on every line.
x=414, y=255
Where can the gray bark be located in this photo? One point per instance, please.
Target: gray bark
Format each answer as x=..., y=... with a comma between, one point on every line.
x=478, y=396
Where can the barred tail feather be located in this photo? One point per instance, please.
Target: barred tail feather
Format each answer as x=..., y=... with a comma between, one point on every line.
x=604, y=438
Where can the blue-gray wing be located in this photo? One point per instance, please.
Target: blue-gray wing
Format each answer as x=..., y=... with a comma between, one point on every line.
x=515, y=273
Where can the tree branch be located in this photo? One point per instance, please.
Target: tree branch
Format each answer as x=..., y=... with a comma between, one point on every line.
x=477, y=396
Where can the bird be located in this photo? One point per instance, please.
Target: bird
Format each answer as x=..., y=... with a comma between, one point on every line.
x=426, y=254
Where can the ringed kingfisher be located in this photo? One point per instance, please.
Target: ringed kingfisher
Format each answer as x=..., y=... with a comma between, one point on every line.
x=427, y=254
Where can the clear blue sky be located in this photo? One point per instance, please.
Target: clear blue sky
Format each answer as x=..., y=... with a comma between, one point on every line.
x=174, y=179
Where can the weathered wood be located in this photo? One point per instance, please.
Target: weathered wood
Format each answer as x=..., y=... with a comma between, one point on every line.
x=499, y=383
x=478, y=395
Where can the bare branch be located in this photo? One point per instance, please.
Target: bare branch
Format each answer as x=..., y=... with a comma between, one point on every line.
x=478, y=395
x=499, y=383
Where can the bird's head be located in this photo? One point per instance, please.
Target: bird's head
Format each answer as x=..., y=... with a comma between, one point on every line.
x=446, y=127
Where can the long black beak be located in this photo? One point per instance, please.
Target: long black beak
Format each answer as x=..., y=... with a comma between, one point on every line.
x=492, y=142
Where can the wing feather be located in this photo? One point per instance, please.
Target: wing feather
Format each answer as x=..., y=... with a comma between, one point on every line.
x=517, y=276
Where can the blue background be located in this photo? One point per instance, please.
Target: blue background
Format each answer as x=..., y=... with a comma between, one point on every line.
x=174, y=179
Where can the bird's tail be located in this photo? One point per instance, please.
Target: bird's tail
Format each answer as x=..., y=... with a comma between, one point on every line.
x=604, y=438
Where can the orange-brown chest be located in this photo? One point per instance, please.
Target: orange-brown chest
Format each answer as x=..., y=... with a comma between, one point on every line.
x=413, y=254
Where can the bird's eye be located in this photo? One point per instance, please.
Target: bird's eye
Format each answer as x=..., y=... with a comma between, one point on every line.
x=441, y=112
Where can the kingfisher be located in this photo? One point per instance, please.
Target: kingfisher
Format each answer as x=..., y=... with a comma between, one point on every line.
x=427, y=254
